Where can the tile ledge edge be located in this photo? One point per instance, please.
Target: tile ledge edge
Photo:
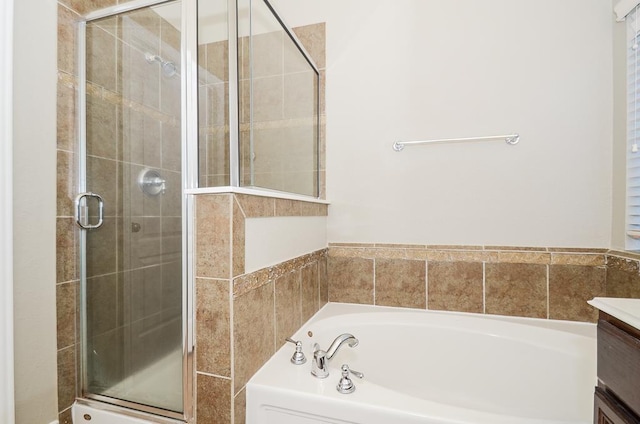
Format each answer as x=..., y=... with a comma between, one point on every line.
x=256, y=192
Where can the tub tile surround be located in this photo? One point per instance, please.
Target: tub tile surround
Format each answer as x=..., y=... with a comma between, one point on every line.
x=568, y=282
x=240, y=406
x=243, y=318
x=539, y=282
x=254, y=332
x=400, y=283
x=516, y=289
x=624, y=271
x=455, y=286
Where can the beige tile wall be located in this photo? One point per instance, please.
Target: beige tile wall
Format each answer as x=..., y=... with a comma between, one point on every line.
x=252, y=313
x=623, y=275
x=281, y=115
x=213, y=60
x=66, y=232
x=520, y=281
x=67, y=277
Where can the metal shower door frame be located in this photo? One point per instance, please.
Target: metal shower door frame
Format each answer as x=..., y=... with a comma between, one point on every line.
x=189, y=147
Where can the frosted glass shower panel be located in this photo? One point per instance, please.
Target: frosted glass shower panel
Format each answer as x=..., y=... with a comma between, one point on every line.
x=213, y=94
x=133, y=312
x=278, y=106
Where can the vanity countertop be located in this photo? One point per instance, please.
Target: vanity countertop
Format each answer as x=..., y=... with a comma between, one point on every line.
x=626, y=310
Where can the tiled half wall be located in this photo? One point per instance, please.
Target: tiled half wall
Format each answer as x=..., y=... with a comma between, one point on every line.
x=242, y=319
x=552, y=283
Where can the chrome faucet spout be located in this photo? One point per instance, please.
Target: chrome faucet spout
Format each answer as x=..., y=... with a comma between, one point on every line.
x=339, y=341
x=321, y=357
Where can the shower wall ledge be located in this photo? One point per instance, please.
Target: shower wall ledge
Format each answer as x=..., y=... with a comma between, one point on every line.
x=257, y=192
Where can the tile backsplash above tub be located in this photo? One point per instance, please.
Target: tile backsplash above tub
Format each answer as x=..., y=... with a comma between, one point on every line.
x=538, y=282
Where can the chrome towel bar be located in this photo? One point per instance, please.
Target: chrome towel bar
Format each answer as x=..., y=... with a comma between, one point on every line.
x=511, y=139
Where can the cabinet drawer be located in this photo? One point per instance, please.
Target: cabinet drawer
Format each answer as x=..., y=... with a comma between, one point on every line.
x=619, y=363
x=609, y=411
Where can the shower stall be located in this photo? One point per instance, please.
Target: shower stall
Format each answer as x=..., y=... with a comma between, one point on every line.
x=175, y=98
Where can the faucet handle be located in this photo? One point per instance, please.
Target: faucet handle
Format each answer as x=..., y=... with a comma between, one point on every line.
x=319, y=364
x=345, y=385
x=298, y=357
x=354, y=372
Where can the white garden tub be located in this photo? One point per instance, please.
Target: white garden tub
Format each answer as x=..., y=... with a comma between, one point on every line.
x=432, y=368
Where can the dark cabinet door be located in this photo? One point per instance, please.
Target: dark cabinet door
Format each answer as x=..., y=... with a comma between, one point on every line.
x=608, y=410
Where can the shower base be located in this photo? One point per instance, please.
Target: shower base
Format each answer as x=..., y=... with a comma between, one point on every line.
x=148, y=386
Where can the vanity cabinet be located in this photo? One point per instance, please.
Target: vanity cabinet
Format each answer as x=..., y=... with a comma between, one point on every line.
x=617, y=395
x=609, y=411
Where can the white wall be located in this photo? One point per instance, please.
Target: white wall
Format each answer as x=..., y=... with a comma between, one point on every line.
x=417, y=69
x=269, y=241
x=619, y=184
x=34, y=209
x=7, y=414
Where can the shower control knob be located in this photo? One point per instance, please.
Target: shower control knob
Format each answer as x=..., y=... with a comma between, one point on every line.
x=151, y=183
x=298, y=357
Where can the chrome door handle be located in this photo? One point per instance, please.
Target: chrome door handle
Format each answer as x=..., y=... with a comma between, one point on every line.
x=87, y=226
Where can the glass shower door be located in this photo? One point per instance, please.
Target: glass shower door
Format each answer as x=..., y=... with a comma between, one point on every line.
x=132, y=272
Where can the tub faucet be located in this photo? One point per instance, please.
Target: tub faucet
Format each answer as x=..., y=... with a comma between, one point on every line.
x=321, y=357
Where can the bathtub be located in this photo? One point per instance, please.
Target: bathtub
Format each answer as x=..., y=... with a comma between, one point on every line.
x=432, y=368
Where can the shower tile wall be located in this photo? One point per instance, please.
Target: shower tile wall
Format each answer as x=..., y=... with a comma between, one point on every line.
x=277, y=108
x=67, y=274
x=213, y=82
x=281, y=116
x=66, y=233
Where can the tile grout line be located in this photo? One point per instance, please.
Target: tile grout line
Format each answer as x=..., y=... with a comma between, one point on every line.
x=232, y=359
x=318, y=301
x=484, y=287
x=374, y=281
x=426, y=284
x=232, y=350
x=548, y=293
x=300, y=295
x=208, y=374
x=275, y=316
